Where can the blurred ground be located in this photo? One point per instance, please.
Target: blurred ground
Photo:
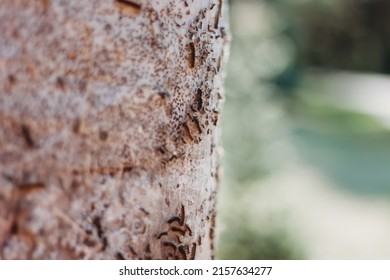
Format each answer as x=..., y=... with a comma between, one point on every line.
x=308, y=219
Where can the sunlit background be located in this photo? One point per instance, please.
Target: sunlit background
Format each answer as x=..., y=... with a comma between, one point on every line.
x=306, y=131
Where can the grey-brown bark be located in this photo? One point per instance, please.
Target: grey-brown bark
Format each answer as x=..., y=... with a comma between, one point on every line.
x=108, y=116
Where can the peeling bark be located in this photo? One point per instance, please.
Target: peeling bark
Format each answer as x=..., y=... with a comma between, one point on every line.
x=108, y=128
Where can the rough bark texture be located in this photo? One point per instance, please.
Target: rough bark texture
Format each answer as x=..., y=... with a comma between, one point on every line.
x=108, y=116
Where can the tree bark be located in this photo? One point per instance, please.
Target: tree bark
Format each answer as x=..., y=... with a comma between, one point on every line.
x=108, y=128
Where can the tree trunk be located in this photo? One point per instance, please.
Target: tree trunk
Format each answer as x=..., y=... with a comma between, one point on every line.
x=108, y=128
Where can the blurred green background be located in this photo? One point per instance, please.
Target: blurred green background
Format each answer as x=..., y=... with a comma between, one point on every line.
x=305, y=131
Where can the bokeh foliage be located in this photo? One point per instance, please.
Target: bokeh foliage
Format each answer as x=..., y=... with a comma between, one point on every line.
x=273, y=96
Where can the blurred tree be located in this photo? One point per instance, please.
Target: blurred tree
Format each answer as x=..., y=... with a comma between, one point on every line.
x=347, y=34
